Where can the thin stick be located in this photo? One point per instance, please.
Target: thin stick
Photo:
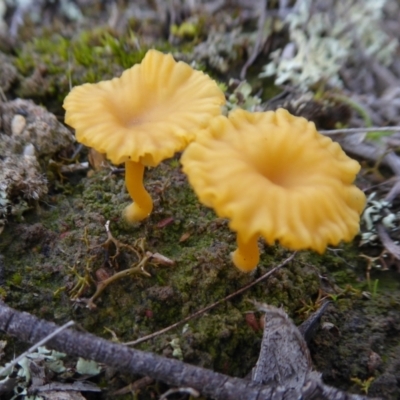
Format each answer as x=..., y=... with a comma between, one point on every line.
x=3, y=97
x=258, y=43
x=360, y=130
x=13, y=363
x=203, y=310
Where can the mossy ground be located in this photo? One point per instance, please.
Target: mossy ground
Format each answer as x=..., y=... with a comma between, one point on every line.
x=61, y=239
x=67, y=232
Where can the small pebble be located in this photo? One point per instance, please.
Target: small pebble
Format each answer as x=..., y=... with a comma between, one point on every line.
x=18, y=124
x=29, y=150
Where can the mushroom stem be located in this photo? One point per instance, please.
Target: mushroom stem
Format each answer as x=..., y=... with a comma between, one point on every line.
x=143, y=204
x=247, y=255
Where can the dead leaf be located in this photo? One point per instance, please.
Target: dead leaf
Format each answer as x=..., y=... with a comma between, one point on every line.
x=97, y=160
x=184, y=237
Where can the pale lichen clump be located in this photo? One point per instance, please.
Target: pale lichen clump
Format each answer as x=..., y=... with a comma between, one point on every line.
x=222, y=49
x=323, y=38
x=29, y=137
x=239, y=95
x=21, y=181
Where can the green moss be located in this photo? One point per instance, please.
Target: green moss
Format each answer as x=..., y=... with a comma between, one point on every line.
x=187, y=30
x=126, y=52
x=16, y=279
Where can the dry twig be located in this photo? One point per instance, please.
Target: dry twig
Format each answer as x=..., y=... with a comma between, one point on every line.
x=28, y=328
x=176, y=373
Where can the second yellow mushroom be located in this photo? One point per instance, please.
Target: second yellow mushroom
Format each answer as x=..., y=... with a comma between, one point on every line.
x=274, y=176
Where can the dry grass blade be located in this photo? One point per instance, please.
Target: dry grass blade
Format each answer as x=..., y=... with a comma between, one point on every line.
x=360, y=130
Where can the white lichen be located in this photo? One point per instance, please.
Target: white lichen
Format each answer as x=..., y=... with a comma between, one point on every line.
x=222, y=49
x=377, y=211
x=324, y=36
x=239, y=95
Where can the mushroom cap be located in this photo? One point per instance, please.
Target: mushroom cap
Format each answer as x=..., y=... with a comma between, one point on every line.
x=273, y=175
x=152, y=111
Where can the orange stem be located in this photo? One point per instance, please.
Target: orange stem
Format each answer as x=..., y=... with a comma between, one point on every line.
x=143, y=204
x=247, y=255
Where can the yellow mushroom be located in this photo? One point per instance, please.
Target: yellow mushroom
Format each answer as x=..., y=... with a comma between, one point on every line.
x=143, y=117
x=273, y=175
